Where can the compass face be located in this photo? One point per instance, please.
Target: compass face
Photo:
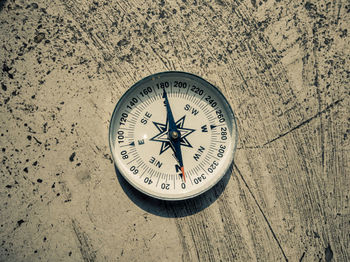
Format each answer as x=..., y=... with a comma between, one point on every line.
x=172, y=135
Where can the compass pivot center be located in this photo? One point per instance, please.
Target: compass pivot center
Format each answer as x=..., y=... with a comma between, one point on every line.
x=174, y=135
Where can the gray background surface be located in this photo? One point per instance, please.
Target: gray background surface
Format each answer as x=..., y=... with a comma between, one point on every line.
x=283, y=65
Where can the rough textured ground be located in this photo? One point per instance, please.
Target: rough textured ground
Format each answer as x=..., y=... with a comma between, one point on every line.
x=285, y=67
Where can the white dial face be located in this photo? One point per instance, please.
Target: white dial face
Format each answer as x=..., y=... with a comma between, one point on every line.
x=173, y=135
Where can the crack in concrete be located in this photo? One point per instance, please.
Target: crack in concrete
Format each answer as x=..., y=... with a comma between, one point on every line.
x=294, y=128
x=262, y=212
x=304, y=122
x=85, y=247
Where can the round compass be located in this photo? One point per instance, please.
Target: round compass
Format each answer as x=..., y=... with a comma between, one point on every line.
x=173, y=135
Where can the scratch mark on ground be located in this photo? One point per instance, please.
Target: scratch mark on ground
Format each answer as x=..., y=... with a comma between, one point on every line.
x=160, y=58
x=305, y=122
x=85, y=246
x=262, y=212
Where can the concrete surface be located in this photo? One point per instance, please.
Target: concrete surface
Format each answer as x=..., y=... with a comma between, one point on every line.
x=284, y=65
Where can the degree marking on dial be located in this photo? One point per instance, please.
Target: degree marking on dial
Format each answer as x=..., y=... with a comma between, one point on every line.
x=139, y=163
x=139, y=98
x=214, y=135
x=211, y=155
x=188, y=172
x=125, y=128
x=133, y=114
x=201, y=105
x=188, y=89
x=133, y=149
x=142, y=165
x=141, y=107
x=133, y=121
x=153, y=98
x=211, y=120
x=204, y=170
x=206, y=159
x=138, y=111
x=197, y=102
x=206, y=105
x=210, y=151
x=155, y=91
x=213, y=110
x=147, y=102
x=204, y=94
x=134, y=154
x=144, y=171
x=196, y=169
x=190, y=179
x=157, y=181
x=194, y=99
x=131, y=161
x=211, y=147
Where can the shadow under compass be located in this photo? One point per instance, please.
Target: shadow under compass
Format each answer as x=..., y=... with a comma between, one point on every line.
x=180, y=208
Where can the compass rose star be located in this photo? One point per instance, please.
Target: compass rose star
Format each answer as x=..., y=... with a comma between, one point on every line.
x=163, y=135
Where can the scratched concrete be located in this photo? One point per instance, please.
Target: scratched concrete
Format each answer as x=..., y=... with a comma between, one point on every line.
x=284, y=66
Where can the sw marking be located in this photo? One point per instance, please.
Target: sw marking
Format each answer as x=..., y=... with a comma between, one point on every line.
x=194, y=111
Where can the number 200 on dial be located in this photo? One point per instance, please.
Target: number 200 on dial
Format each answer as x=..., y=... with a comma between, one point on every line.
x=173, y=135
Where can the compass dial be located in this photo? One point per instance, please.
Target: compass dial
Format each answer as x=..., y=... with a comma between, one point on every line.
x=173, y=135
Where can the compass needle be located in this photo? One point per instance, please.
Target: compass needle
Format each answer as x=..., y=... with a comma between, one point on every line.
x=183, y=173
x=168, y=122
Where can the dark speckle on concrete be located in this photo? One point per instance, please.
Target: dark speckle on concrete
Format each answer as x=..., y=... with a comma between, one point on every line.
x=71, y=158
x=20, y=222
x=39, y=37
x=122, y=42
x=32, y=6
x=329, y=253
x=309, y=6
x=7, y=70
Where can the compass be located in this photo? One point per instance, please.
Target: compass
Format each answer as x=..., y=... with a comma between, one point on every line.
x=173, y=135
